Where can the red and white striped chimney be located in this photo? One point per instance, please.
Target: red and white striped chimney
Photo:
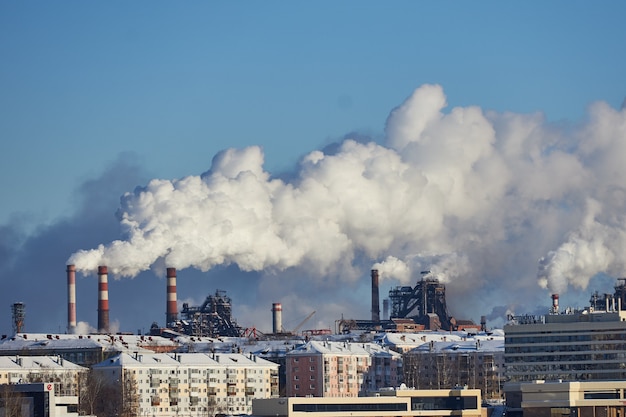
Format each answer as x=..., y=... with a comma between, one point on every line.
x=171, y=311
x=71, y=299
x=103, y=299
x=277, y=318
x=555, y=303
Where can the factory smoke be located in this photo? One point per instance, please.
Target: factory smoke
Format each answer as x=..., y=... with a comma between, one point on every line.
x=481, y=199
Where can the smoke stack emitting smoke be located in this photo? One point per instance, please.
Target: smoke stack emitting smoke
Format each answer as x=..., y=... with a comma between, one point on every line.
x=466, y=194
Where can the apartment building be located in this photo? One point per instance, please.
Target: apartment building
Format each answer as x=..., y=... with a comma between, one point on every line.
x=190, y=384
x=477, y=363
x=341, y=369
x=62, y=374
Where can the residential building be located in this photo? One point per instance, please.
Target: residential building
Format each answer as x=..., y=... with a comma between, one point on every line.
x=341, y=369
x=476, y=362
x=191, y=384
x=62, y=375
x=394, y=402
x=83, y=350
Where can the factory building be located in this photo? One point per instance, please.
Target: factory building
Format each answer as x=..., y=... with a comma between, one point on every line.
x=162, y=385
x=341, y=369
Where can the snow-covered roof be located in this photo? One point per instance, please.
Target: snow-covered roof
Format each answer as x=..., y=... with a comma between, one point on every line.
x=492, y=345
x=17, y=362
x=343, y=348
x=155, y=360
x=43, y=341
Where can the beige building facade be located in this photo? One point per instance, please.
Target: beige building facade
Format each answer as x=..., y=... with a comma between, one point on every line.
x=191, y=384
x=396, y=403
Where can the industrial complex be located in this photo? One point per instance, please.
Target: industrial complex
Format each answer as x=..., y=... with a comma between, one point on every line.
x=413, y=359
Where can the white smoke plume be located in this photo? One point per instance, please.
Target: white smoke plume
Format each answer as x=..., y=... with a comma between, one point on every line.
x=476, y=197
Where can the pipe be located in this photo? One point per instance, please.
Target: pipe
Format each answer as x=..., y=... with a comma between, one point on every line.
x=71, y=299
x=171, y=312
x=103, y=299
x=277, y=318
x=375, y=298
x=555, y=303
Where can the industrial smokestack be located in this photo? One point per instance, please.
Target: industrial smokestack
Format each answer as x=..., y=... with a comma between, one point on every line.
x=386, y=309
x=71, y=299
x=555, y=303
x=171, y=312
x=277, y=318
x=103, y=299
x=375, y=301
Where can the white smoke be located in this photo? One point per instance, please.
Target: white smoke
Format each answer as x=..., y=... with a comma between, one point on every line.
x=476, y=197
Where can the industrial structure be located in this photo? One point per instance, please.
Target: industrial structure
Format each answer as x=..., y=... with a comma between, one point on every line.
x=18, y=311
x=422, y=307
x=213, y=318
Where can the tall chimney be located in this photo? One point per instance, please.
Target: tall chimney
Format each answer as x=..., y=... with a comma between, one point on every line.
x=555, y=303
x=375, y=301
x=71, y=299
x=171, y=314
x=277, y=318
x=103, y=299
x=385, y=308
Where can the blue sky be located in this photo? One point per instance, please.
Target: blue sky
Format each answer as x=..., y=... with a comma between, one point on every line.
x=164, y=86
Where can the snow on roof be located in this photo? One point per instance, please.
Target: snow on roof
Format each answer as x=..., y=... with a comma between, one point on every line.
x=153, y=360
x=37, y=362
x=42, y=341
x=343, y=348
x=486, y=345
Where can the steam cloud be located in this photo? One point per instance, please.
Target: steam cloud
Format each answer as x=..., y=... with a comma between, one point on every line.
x=476, y=197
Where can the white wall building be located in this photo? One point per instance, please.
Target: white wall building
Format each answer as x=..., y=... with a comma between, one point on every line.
x=192, y=384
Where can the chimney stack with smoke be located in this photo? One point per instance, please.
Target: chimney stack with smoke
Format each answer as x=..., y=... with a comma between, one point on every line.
x=555, y=303
x=375, y=300
x=103, y=299
x=171, y=314
x=277, y=318
x=71, y=299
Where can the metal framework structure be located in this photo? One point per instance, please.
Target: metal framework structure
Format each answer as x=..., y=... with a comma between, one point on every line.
x=213, y=318
x=428, y=297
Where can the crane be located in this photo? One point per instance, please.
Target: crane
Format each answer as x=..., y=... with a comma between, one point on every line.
x=295, y=330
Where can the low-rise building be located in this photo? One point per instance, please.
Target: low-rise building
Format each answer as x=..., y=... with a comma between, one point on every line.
x=400, y=402
x=567, y=398
x=341, y=369
x=161, y=385
x=36, y=400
